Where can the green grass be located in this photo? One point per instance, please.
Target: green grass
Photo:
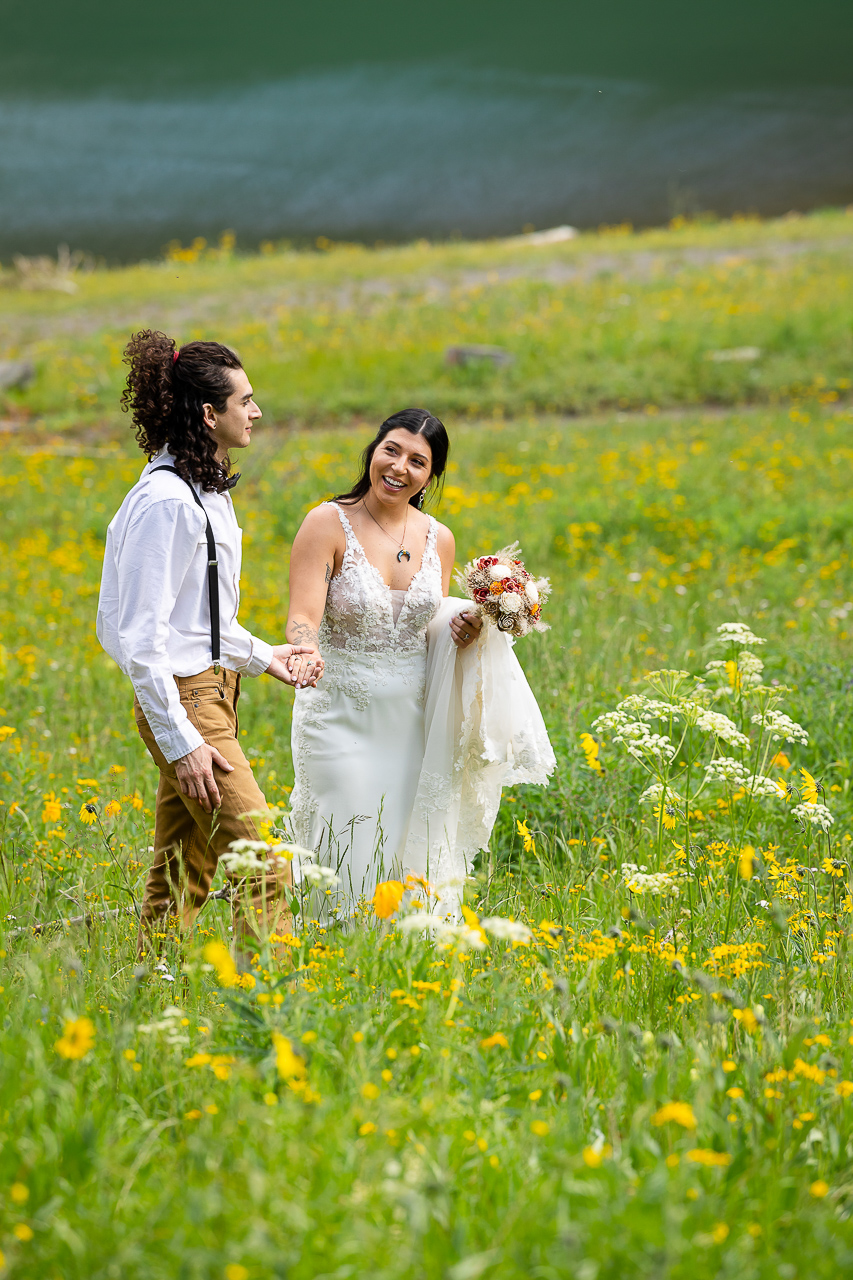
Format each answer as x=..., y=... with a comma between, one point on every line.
x=609, y=320
x=541, y=1153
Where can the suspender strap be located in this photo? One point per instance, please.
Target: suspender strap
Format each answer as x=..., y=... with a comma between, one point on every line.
x=212, y=571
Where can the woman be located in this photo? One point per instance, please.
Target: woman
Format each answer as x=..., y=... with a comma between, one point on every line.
x=369, y=577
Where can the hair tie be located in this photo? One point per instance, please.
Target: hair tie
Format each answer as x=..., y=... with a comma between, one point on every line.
x=175, y=357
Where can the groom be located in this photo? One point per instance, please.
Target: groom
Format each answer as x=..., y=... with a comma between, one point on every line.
x=168, y=616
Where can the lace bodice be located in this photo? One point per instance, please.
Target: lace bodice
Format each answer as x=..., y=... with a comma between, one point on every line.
x=360, y=607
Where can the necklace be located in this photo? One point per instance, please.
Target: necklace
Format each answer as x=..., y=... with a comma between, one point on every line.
x=402, y=554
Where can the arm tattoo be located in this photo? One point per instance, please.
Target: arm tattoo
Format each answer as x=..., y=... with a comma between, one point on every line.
x=328, y=572
x=302, y=633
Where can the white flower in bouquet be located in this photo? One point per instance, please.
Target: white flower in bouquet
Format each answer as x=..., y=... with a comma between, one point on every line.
x=532, y=592
x=498, y=572
x=511, y=603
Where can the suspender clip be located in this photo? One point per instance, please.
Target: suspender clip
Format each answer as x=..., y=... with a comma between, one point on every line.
x=216, y=668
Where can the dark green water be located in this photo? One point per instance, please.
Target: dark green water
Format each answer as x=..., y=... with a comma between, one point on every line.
x=123, y=126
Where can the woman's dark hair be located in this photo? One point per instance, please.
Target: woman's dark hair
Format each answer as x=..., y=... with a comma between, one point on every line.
x=420, y=423
x=166, y=389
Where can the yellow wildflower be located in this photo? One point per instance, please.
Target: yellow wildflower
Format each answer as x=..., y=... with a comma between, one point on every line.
x=713, y=1159
x=367, y=1128
x=88, y=812
x=810, y=788
x=19, y=1193
x=112, y=809
x=844, y=1088
x=590, y=748
x=236, y=1271
x=290, y=1065
x=819, y=1189
x=747, y=1020
x=593, y=1156
x=52, y=810
x=541, y=1128
x=6, y=731
x=369, y=1091
x=529, y=842
x=78, y=1036
x=498, y=1038
x=678, y=1112
x=720, y=1233
x=22, y=1232
x=387, y=898
x=745, y=862
x=668, y=815
x=217, y=954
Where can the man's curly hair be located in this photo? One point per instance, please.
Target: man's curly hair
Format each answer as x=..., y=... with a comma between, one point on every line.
x=166, y=389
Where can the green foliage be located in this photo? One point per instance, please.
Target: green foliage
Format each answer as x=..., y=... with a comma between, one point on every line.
x=383, y=1103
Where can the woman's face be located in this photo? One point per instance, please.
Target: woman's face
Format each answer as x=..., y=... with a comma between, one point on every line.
x=401, y=466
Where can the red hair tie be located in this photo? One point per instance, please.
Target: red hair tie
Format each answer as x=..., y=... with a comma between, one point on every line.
x=174, y=357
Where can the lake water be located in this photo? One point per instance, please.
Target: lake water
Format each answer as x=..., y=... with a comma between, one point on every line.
x=401, y=148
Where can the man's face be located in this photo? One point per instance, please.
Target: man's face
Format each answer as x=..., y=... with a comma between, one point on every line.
x=233, y=428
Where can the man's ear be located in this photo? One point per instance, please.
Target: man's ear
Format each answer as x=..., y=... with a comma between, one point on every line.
x=209, y=416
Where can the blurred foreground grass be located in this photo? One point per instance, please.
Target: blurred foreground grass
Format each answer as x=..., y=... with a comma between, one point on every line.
x=630, y=1093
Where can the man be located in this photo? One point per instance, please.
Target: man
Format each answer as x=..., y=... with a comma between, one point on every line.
x=168, y=616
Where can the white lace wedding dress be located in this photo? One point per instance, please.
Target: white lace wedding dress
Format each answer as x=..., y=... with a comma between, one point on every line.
x=401, y=751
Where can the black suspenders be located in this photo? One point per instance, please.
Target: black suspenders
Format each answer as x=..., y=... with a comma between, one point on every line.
x=212, y=571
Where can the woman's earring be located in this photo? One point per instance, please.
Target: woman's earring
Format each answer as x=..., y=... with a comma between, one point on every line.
x=421, y=497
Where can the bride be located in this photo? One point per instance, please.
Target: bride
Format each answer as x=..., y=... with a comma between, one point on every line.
x=380, y=782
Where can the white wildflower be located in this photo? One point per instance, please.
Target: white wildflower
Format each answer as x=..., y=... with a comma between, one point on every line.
x=322, y=877
x=760, y=785
x=737, y=633
x=780, y=727
x=721, y=727
x=506, y=930
x=656, y=883
x=446, y=933
x=725, y=769
x=610, y=721
x=816, y=814
x=658, y=792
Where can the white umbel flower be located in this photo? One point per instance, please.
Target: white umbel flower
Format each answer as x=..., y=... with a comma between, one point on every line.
x=506, y=930
x=780, y=727
x=816, y=814
x=737, y=633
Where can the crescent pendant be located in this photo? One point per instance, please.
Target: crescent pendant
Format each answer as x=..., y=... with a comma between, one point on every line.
x=403, y=554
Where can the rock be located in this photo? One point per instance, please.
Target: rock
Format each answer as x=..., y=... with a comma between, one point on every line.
x=16, y=374
x=474, y=351
x=734, y=353
x=554, y=235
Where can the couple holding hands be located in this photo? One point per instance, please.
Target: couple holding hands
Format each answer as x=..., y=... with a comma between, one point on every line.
x=409, y=714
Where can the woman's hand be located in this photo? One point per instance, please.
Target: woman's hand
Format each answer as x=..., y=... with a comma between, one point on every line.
x=296, y=665
x=465, y=629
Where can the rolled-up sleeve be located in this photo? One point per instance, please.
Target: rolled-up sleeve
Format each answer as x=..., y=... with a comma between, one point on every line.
x=247, y=654
x=157, y=550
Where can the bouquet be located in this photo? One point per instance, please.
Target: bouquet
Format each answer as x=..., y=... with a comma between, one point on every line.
x=505, y=592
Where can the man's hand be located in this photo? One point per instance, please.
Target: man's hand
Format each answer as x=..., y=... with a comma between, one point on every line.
x=195, y=775
x=465, y=629
x=296, y=665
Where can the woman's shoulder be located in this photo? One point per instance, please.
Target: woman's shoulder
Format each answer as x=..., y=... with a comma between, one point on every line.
x=323, y=519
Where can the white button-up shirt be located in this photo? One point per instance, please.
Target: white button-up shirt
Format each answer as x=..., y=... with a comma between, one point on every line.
x=154, y=613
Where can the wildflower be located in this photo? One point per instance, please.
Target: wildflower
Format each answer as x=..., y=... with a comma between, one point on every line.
x=321, y=877
x=6, y=731
x=677, y=1112
x=370, y=1091
x=590, y=748
x=746, y=862
x=506, y=930
x=844, y=1088
x=720, y=1233
x=656, y=883
x=236, y=1271
x=195, y=1114
x=117, y=768
x=668, y=815
x=737, y=633
x=834, y=868
x=290, y=1065
x=819, y=1189
x=712, y=1159
x=529, y=842
x=497, y=1039
x=217, y=954
x=19, y=1193
x=747, y=1020
x=78, y=1036
x=721, y=727
x=810, y=788
x=816, y=815
x=541, y=1128
x=270, y=1099
x=22, y=1232
x=367, y=1128
x=88, y=813
x=593, y=1156
x=387, y=898
x=727, y=769
x=780, y=727
x=52, y=810
x=112, y=809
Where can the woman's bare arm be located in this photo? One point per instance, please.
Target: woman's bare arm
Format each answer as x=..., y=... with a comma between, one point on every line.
x=465, y=627
x=316, y=553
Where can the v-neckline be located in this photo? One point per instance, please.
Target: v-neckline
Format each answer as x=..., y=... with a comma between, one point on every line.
x=372, y=566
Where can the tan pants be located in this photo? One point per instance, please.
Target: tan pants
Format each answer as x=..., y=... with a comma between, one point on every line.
x=188, y=842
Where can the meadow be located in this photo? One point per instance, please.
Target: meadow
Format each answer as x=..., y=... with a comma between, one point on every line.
x=635, y=1058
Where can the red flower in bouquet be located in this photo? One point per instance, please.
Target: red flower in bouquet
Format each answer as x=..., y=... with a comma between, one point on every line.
x=505, y=592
